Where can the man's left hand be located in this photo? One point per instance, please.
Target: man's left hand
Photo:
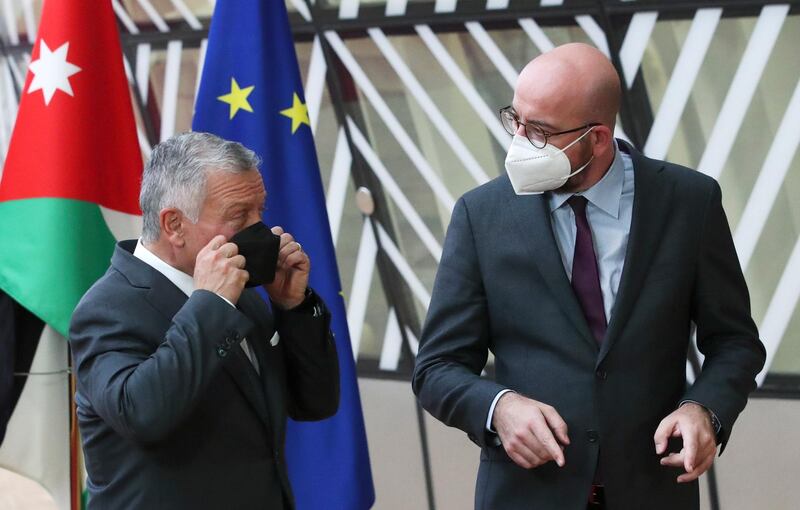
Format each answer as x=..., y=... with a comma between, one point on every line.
x=691, y=422
x=291, y=276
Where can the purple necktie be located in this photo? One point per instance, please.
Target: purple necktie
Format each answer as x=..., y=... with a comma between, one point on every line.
x=585, y=275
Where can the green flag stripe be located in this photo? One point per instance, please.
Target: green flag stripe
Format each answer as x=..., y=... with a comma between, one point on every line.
x=51, y=251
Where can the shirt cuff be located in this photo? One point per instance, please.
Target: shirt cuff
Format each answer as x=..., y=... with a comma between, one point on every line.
x=491, y=410
x=226, y=300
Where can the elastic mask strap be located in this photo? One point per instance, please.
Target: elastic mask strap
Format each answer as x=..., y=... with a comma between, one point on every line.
x=578, y=139
x=581, y=168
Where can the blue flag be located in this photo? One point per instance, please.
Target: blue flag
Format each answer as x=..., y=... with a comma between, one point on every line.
x=251, y=92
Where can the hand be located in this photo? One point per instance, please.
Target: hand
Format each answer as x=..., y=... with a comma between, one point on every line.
x=220, y=269
x=291, y=276
x=693, y=423
x=526, y=429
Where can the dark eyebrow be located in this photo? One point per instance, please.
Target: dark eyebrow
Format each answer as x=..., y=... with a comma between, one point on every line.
x=540, y=123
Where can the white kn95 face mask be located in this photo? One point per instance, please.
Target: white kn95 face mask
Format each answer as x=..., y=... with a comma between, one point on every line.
x=533, y=171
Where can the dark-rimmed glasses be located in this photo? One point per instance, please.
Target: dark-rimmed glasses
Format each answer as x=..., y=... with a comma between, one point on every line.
x=535, y=133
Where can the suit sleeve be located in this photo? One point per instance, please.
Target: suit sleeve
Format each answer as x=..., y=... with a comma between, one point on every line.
x=454, y=344
x=141, y=392
x=726, y=333
x=311, y=359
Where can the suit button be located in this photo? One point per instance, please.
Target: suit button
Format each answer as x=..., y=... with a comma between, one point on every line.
x=592, y=436
x=222, y=352
x=602, y=374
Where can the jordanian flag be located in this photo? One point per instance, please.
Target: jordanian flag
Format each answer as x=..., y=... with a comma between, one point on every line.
x=73, y=156
x=69, y=184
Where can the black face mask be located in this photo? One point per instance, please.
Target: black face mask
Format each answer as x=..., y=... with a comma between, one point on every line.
x=259, y=246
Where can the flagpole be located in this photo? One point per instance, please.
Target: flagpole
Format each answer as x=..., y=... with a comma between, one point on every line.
x=361, y=177
x=75, y=457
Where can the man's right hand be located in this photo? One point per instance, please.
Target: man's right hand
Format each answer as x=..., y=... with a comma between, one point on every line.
x=220, y=269
x=531, y=432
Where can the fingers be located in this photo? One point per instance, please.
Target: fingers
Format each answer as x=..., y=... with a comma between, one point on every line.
x=288, y=249
x=220, y=269
x=673, y=460
x=678, y=460
x=522, y=455
x=545, y=437
x=297, y=260
x=238, y=261
x=228, y=253
x=690, y=421
x=663, y=432
x=244, y=276
x=291, y=252
x=556, y=423
x=218, y=248
x=698, y=471
x=288, y=243
x=286, y=239
x=213, y=244
x=525, y=431
x=228, y=250
x=689, y=447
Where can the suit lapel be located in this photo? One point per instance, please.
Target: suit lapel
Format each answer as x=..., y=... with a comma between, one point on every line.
x=168, y=300
x=651, y=205
x=244, y=375
x=253, y=307
x=270, y=386
x=165, y=296
x=162, y=294
x=531, y=220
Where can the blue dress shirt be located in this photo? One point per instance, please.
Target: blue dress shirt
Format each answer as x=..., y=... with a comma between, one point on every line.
x=609, y=212
x=609, y=209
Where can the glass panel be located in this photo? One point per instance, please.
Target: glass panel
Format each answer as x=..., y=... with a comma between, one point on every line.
x=750, y=148
x=420, y=125
x=186, y=86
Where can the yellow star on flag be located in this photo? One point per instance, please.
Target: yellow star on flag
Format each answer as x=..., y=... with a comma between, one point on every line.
x=298, y=113
x=237, y=98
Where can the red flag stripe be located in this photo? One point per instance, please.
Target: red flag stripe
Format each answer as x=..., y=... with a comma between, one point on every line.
x=81, y=146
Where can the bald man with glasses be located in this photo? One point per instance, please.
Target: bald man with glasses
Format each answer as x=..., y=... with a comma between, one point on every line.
x=584, y=269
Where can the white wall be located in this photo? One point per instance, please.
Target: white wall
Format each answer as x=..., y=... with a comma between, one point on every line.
x=760, y=468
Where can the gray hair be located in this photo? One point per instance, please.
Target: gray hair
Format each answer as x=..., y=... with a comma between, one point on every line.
x=177, y=172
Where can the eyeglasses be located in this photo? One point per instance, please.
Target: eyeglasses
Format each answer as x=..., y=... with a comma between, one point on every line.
x=535, y=133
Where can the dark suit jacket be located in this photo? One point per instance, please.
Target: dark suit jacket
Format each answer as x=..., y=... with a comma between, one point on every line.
x=501, y=287
x=172, y=413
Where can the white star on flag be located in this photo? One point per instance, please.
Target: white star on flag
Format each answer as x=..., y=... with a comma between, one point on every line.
x=51, y=71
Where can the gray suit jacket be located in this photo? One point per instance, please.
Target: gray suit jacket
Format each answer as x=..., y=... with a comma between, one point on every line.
x=172, y=413
x=501, y=287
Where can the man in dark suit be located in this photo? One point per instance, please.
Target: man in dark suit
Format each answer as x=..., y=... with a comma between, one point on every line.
x=582, y=270
x=182, y=397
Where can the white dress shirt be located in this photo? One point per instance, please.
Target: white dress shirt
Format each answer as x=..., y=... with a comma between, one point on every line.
x=185, y=283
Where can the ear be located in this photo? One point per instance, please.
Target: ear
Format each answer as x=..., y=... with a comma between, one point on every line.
x=172, y=223
x=603, y=140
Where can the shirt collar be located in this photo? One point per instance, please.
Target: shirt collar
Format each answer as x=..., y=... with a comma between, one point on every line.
x=605, y=194
x=180, y=279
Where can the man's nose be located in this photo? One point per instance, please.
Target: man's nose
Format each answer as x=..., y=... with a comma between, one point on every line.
x=520, y=130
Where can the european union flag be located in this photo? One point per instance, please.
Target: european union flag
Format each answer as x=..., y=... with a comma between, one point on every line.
x=251, y=92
